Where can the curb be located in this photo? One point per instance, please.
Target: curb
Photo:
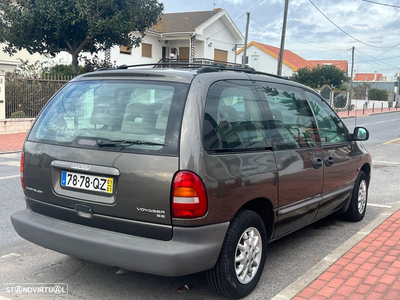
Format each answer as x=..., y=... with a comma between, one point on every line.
x=372, y=114
x=10, y=152
x=302, y=282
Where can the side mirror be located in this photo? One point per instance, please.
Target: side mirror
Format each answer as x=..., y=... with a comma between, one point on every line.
x=360, y=134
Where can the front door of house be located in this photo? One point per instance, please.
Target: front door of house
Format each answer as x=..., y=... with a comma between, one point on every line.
x=184, y=54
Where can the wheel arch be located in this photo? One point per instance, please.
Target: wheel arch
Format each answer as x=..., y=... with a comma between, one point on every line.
x=264, y=208
x=366, y=168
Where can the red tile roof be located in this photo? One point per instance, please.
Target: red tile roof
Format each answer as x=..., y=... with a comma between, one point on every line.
x=295, y=61
x=367, y=76
x=341, y=64
x=289, y=58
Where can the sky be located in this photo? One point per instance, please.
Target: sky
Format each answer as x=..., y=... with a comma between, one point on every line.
x=373, y=29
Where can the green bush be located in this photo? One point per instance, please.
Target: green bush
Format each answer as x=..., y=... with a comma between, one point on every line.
x=62, y=70
x=377, y=94
x=18, y=114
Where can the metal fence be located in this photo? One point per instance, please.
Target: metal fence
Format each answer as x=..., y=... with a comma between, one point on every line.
x=25, y=97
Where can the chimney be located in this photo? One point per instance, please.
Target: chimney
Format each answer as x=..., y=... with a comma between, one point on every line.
x=375, y=76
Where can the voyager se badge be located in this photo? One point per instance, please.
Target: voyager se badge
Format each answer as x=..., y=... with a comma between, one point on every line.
x=80, y=167
x=159, y=213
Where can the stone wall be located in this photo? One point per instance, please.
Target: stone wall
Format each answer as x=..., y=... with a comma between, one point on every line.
x=15, y=125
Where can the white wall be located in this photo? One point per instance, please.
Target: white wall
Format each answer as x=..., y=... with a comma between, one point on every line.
x=200, y=47
x=222, y=40
x=266, y=63
x=14, y=60
x=136, y=55
x=120, y=59
x=378, y=104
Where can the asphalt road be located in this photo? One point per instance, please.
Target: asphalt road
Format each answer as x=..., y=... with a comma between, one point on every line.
x=288, y=258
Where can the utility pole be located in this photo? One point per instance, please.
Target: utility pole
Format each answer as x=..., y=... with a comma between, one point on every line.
x=245, y=40
x=351, y=79
x=279, y=71
x=398, y=88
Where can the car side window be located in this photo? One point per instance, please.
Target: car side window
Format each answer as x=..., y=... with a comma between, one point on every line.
x=292, y=124
x=233, y=117
x=331, y=128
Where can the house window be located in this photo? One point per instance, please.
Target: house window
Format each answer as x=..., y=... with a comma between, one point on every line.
x=220, y=55
x=146, y=50
x=125, y=50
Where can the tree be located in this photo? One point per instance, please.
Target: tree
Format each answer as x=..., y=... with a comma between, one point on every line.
x=74, y=26
x=377, y=94
x=360, y=91
x=320, y=75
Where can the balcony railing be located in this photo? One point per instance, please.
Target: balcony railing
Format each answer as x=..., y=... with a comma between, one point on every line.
x=174, y=63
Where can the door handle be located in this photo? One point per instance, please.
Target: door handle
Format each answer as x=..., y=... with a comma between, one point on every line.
x=328, y=161
x=317, y=163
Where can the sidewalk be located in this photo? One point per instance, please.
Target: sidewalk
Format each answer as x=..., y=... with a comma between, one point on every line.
x=366, y=112
x=370, y=270
x=12, y=142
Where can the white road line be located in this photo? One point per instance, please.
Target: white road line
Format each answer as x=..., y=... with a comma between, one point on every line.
x=9, y=177
x=379, y=122
x=386, y=162
x=9, y=255
x=10, y=163
x=379, y=205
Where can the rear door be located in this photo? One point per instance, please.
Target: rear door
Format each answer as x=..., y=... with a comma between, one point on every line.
x=103, y=153
x=297, y=153
x=339, y=155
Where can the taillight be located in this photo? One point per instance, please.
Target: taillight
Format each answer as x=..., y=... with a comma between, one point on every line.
x=189, y=198
x=21, y=170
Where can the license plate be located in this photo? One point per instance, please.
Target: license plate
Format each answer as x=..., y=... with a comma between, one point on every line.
x=87, y=182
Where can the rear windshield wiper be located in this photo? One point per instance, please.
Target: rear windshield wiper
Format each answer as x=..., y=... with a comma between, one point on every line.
x=126, y=143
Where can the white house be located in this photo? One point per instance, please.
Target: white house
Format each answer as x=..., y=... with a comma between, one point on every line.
x=10, y=63
x=199, y=36
x=264, y=58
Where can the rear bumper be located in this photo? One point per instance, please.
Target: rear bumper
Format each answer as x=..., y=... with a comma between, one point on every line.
x=191, y=250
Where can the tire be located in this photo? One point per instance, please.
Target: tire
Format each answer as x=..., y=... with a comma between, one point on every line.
x=223, y=278
x=358, y=201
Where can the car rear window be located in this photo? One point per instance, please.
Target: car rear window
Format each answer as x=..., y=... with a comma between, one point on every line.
x=114, y=115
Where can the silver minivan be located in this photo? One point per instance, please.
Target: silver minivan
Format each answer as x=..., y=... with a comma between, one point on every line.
x=177, y=171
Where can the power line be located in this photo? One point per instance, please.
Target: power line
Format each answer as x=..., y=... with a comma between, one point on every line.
x=369, y=45
x=316, y=45
x=384, y=4
x=374, y=59
x=236, y=19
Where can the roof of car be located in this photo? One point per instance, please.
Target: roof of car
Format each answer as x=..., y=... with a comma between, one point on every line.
x=184, y=75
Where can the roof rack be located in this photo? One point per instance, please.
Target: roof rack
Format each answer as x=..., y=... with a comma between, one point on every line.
x=202, y=68
x=155, y=65
x=219, y=67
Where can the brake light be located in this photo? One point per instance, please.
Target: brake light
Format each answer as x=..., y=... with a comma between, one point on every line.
x=21, y=170
x=189, y=198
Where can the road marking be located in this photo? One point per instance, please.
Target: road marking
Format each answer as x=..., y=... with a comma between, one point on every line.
x=386, y=162
x=8, y=177
x=380, y=122
x=10, y=163
x=9, y=255
x=379, y=205
x=392, y=141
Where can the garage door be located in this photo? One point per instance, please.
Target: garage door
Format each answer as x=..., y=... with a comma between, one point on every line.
x=220, y=55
